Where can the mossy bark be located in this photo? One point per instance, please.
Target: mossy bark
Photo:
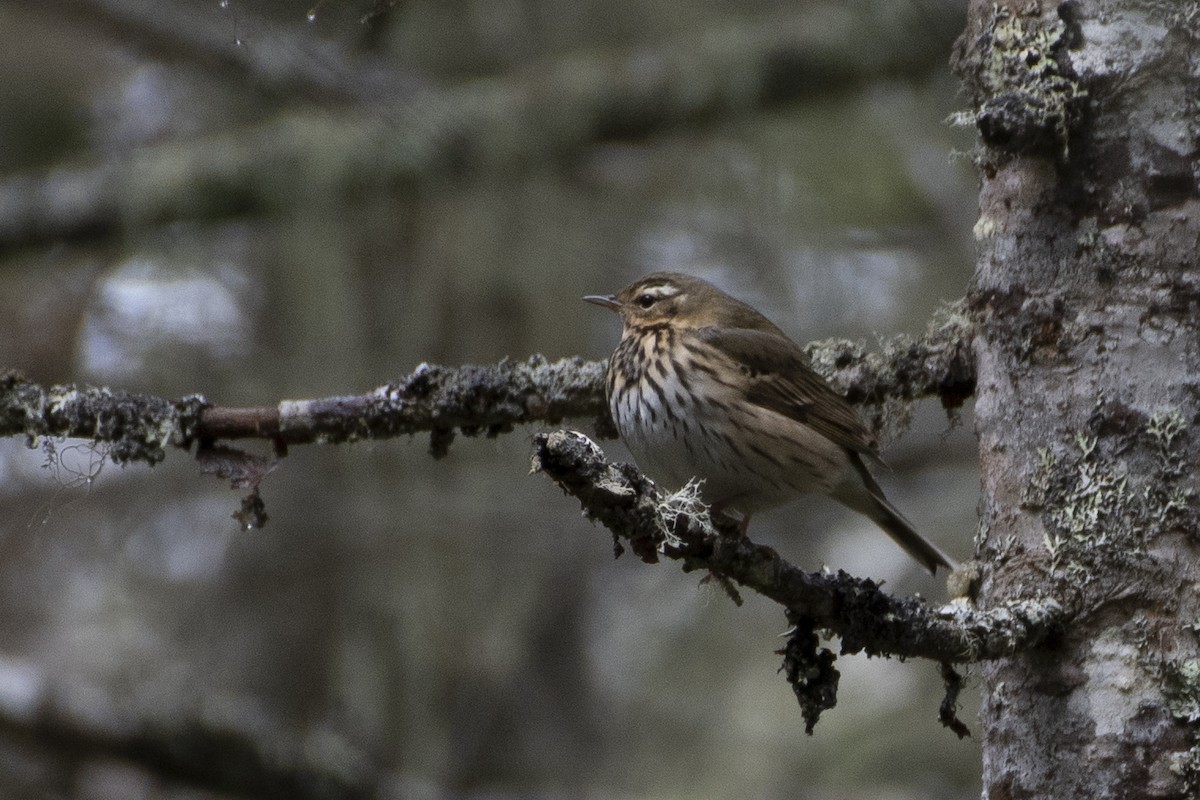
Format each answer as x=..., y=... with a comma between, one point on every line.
x=1087, y=343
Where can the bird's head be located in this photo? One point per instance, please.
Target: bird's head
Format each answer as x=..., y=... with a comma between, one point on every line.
x=680, y=301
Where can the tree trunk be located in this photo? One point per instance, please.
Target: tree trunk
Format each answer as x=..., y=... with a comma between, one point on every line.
x=1086, y=301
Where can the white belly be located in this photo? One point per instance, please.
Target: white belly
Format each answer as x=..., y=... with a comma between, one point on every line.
x=748, y=457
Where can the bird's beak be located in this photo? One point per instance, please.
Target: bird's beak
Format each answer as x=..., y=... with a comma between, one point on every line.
x=608, y=301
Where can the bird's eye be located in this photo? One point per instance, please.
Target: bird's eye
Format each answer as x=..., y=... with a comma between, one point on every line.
x=646, y=300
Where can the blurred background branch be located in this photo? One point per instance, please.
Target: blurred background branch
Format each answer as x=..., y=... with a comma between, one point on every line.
x=530, y=115
x=228, y=743
x=259, y=202
x=282, y=61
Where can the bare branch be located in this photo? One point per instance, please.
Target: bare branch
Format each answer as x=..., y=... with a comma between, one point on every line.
x=857, y=610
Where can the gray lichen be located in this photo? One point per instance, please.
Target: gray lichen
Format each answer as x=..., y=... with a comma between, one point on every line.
x=1179, y=680
x=886, y=383
x=1102, y=499
x=132, y=427
x=1106, y=499
x=1027, y=99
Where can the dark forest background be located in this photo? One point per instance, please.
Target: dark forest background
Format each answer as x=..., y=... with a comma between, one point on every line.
x=260, y=199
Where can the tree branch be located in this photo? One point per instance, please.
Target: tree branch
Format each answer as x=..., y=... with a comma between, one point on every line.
x=472, y=399
x=491, y=399
x=857, y=610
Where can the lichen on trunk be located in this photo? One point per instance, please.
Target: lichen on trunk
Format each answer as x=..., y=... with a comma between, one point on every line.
x=1084, y=304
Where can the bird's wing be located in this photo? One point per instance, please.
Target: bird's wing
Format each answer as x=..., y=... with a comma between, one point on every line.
x=778, y=377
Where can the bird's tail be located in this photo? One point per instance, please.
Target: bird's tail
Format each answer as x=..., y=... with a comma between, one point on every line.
x=867, y=498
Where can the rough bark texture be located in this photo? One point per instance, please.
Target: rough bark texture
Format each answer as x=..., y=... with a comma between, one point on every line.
x=679, y=527
x=857, y=611
x=1085, y=303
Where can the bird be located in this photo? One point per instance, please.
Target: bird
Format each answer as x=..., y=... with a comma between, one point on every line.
x=702, y=386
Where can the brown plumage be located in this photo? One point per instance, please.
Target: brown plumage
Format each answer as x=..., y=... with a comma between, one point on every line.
x=703, y=386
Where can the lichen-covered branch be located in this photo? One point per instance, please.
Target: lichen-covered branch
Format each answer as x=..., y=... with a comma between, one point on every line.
x=491, y=399
x=940, y=364
x=473, y=399
x=857, y=610
x=133, y=427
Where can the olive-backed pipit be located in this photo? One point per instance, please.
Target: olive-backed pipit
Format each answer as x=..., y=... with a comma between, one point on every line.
x=703, y=386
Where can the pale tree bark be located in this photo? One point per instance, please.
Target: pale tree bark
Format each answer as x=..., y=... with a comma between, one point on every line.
x=1087, y=342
